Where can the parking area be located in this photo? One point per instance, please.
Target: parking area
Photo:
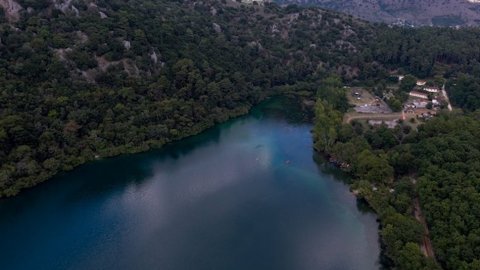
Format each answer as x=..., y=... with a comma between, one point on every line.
x=365, y=102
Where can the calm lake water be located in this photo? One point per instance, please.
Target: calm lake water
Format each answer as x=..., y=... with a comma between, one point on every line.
x=246, y=194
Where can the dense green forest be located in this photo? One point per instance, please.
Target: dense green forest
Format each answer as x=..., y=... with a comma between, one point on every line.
x=99, y=79
x=79, y=86
x=438, y=165
x=92, y=79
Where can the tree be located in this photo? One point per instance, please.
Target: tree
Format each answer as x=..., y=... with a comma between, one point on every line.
x=408, y=82
x=373, y=167
x=410, y=257
x=332, y=91
x=395, y=104
x=327, y=120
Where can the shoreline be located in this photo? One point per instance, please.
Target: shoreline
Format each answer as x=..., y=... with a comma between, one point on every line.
x=384, y=260
x=118, y=151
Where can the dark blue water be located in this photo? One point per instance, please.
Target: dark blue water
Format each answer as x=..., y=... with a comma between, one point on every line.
x=244, y=195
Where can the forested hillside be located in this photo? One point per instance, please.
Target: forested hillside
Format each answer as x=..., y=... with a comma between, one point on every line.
x=85, y=79
x=448, y=158
x=88, y=79
x=97, y=78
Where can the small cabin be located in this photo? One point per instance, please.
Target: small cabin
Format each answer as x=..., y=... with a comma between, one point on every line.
x=421, y=83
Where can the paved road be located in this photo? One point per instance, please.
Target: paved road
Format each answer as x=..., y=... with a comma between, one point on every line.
x=372, y=116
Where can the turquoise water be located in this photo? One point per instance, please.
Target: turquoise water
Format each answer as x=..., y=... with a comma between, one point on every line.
x=246, y=194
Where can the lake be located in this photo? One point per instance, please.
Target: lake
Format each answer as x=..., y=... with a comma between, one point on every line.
x=246, y=194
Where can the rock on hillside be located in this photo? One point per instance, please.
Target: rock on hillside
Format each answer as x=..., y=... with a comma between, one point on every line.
x=11, y=9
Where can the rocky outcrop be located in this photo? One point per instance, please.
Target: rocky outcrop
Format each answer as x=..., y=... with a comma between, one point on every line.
x=11, y=9
x=66, y=6
x=63, y=5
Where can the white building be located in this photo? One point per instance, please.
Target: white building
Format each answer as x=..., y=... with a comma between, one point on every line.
x=420, y=104
x=418, y=95
x=431, y=89
x=252, y=1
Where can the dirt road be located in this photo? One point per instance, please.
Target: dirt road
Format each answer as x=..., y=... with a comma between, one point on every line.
x=427, y=247
x=444, y=92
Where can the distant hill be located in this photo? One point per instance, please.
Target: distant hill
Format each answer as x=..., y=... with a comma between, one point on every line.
x=405, y=12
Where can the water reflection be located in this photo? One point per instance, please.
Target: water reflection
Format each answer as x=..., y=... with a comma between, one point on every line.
x=244, y=195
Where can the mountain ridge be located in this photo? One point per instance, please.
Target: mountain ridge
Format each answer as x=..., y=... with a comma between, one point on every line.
x=406, y=13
